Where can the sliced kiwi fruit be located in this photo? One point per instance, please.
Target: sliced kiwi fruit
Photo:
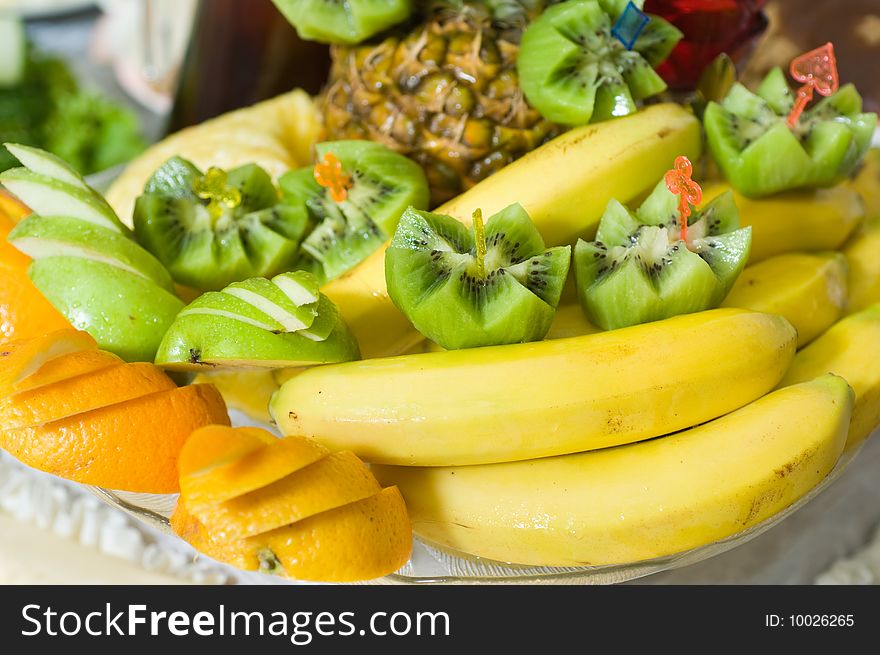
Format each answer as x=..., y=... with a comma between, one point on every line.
x=640, y=269
x=343, y=21
x=760, y=154
x=214, y=228
x=487, y=285
x=259, y=323
x=379, y=185
x=574, y=71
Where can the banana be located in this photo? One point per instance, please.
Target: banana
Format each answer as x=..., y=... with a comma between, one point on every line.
x=867, y=182
x=570, y=321
x=822, y=219
x=492, y=404
x=639, y=501
x=862, y=252
x=564, y=185
x=246, y=391
x=808, y=289
x=850, y=349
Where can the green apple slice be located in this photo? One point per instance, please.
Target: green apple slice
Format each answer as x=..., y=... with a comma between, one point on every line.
x=196, y=342
x=217, y=303
x=126, y=314
x=52, y=197
x=325, y=321
x=40, y=237
x=301, y=287
x=45, y=163
x=268, y=298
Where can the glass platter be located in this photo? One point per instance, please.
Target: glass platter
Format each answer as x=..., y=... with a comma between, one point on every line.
x=431, y=565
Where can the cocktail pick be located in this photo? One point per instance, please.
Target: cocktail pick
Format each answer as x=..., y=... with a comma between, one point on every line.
x=630, y=24
x=329, y=174
x=213, y=187
x=815, y=70
x=679, y=181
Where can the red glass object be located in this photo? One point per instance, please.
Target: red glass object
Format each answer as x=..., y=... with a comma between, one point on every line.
x=816, y=69
x=680, y=182
x=710, y=27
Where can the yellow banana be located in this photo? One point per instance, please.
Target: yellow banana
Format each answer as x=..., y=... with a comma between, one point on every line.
x=797, y=220
x=809, y=289
x=850, y=349
x=514, y=402
x=564, y=185
x=862, y=253
x=639, y=501
x=246, y=391
x=867, y=182
x=570, y=321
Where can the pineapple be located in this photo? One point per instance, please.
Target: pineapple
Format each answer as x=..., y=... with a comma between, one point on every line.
x=442, y=89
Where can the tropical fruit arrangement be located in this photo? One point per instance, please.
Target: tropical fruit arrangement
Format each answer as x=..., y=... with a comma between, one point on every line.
x=496, y=287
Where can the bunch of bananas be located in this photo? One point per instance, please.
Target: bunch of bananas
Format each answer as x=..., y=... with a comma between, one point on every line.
x=543, y=454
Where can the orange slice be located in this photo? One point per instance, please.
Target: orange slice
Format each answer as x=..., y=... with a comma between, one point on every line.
x=65, y=367
x=359, y=541
x=21, y=359
x=84, y=393
x=12, y=208
x=253, y=471
x=213, y=445
x=130, y=446
x=336, y=480
x=24, y=311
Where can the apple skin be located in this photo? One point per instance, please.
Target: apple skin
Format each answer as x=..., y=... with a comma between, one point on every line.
x=202, y=342
x=49, y=196
x=40, y=237
x=126, y=314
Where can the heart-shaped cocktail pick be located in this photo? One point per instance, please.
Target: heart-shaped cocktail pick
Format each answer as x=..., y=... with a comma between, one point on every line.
x=815, y=70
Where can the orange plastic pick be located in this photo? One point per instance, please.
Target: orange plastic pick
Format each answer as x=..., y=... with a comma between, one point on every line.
x=679, y=181
x=329, y=174
x=816, y=70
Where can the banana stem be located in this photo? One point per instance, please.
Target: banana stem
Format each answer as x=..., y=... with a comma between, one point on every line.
x=480, y=238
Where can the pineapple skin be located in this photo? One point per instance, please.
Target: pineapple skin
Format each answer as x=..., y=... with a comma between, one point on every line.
x=443, y=90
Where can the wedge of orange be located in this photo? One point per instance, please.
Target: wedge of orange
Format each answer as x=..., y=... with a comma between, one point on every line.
x=336, y=480
x=214, y=445
x=64, y=367
x=12, y=208
x=82, y=393
x=287, y=506
x=235, y=477
x=132, y=445
x=24, y=311
x=359, y=541
x=21, y=358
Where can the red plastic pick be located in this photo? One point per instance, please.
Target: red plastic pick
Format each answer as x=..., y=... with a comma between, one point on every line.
x=679, y=181
x=815, y=70
x=329, y=174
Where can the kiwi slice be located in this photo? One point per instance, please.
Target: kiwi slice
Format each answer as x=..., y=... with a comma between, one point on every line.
x=211, y=229
x=760, y=154
x=378, y=185
x=639, y=269
x=574, y=71
x=259, y=323
x=482, y=286
x=343, y=21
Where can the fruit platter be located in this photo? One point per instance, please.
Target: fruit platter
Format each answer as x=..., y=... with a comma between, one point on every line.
x=513, y=298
